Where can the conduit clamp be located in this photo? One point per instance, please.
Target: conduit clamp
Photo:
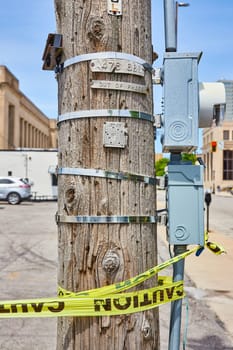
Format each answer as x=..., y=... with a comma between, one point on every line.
x=95, y=113
x=107, y=174
x=105, y=219
x=104, y=54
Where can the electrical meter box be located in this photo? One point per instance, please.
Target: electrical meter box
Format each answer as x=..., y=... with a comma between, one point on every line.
x=181, y=101
x=185, y=204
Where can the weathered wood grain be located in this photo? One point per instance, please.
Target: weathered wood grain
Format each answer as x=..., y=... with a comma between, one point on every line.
x=93, y=255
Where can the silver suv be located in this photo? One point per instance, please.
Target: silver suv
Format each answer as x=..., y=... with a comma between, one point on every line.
x=14, y=189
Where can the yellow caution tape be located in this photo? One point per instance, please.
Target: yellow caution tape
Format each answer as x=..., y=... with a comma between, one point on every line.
x=161, y=281
x=214, y=247
x=115, y=304
x=130, y=283
x=107, y=300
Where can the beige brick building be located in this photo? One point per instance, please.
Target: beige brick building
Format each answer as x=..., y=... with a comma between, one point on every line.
x=219, y=164
x=22, y=124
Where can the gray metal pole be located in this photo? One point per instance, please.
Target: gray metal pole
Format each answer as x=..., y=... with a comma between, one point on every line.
x=170, y=28
x=178, y=275
x=176, y=306
x=170, y=25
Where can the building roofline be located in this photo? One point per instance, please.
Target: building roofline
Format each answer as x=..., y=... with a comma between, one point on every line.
x=24, y=98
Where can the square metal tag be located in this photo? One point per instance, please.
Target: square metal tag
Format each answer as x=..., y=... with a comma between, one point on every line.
x=115, y=135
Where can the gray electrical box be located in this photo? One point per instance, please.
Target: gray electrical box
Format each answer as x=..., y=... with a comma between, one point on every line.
x=185, y=204
x=181, y=102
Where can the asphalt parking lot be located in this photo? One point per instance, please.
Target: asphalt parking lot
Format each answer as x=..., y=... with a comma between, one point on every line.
x=28, y=263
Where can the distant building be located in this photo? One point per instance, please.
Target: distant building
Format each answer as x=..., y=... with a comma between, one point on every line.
x=22, y=124
x=28, y=139
x=229, y=99
x=158, y=156
x=218, y=147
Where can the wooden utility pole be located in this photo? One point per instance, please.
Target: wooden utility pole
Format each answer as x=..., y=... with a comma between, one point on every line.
x=106, y=165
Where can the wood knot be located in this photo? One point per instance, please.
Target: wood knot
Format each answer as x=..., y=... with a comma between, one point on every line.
x=146, y=329
x=70, y=195
x=97, y=29
x=70, y=201
x=111, y=262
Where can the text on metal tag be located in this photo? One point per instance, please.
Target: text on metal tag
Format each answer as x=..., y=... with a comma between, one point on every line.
x=115, y=65
x=118, y=85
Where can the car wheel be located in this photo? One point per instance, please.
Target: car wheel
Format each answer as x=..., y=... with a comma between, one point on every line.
x=13, y=198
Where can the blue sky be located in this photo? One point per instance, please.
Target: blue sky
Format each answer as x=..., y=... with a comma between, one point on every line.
x=206, y=25
x=24, y=27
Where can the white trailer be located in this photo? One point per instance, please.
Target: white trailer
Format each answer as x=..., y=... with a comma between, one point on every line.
x=37, y=165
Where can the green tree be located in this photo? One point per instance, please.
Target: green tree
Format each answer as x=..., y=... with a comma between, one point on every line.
x=163, y=162
x=160, y=166
x=189, y=157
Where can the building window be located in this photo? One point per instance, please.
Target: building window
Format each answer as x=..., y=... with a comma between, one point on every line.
x=21, y=132
x=29, y=135
x=226, y=134
x=54, y=179
x=208, y=167
x=205, y=167
x=11, y=125
x=25, y=144
x=227, y=165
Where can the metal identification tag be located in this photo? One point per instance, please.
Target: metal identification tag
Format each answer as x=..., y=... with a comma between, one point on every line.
x=116, y=65
x=115, y=7
x=118, y=85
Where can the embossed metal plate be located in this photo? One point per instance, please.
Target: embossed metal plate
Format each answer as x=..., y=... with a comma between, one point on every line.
x=115, y=65
x=118, y=85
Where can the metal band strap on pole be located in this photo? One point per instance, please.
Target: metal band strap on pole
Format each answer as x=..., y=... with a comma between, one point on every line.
x=95, y=113
x=107, y=54
x=107, y=174
x=105, y=219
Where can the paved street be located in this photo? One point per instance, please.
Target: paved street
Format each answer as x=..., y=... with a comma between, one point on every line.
x=221, y=210
x=28, y=260
x=211, y=285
